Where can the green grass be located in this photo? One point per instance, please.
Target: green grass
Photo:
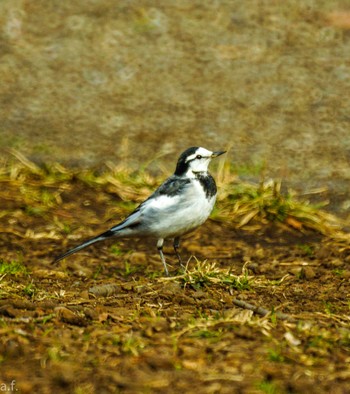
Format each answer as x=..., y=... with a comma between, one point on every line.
x=338, y=272
x=329, y=308
x=275, y=356
x=29, y=290
x=116, y=250
x=132, y=345
x=308, y=250
x=12, y=267
x=268, y=387
x=205, y=274
x=98, y=271
x=129, y=269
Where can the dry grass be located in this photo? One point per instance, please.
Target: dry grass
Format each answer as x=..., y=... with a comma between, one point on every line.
x=246, y=202
x=240, y=203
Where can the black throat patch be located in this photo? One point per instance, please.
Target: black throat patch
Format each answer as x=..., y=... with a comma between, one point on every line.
x=208, y=183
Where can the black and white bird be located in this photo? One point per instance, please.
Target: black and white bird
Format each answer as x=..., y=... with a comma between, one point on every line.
x=181, y=204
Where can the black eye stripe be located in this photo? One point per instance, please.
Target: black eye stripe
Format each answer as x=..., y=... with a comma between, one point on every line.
x=198, y=157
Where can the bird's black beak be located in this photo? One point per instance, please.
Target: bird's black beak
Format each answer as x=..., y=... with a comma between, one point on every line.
x=218, y=153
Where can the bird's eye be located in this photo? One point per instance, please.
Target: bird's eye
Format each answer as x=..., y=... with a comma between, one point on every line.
x=199, y=157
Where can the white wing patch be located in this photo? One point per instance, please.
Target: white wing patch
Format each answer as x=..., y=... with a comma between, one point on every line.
x=162, y=202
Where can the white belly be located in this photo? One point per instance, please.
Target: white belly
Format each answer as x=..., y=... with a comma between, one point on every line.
x=170, y=217
x=188, y=219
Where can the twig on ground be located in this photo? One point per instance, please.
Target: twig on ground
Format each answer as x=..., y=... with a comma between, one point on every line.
x=42, y=319
x=262, y=311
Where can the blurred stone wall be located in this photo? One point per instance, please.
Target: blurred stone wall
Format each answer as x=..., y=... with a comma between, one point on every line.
x=82, y=82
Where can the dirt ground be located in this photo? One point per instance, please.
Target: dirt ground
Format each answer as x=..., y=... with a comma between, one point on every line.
x=106, y=320
x=138, y=82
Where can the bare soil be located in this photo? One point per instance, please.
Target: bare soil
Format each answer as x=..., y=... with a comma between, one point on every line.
x=107, y=321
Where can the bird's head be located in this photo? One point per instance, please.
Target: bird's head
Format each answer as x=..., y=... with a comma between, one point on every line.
x=195, y=160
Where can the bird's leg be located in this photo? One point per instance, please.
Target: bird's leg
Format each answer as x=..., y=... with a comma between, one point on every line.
x=176, y=248
x=160, y=250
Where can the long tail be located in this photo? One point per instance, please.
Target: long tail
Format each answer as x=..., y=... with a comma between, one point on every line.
x=91, y=241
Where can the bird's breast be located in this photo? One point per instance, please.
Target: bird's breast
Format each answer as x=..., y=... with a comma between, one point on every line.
x=190, y=210
x=180, y=214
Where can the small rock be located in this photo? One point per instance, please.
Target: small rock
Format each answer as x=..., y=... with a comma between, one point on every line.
x=23, y=304
x=12, y=349
x=48, y=304
x=159, y=361
x=308, y=273
x=199, y=294
x=67, y=316
x=64, y=375
x=172, y=288
x=82, y=271
x=336, y=263
x=254, y=267
x=91, y=313
x=84, y=294
x=148, y=332
x=9, y=311
x=346, y=275
x=138, y=258
x=104, y=290
x=295, y=270
x=291, y=339
x=44, y=274
x=260, y=253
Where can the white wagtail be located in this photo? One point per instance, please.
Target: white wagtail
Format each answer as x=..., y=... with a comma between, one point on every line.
x=181, y=204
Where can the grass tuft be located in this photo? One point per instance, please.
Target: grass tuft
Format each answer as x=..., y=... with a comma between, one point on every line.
x=39, y=191
x=243, y=202
x=12, y=267
x=205, y=274
x=268, y=387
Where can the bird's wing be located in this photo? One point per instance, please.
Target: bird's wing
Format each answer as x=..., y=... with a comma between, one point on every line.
x=164, y=199
x=172, y=187
x=132, y=220
x=168, y=198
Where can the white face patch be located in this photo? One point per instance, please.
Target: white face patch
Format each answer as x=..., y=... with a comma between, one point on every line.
x=199, y=161
x=199, y=152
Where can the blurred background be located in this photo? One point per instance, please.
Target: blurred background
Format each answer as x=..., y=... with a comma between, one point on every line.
x=83, y=82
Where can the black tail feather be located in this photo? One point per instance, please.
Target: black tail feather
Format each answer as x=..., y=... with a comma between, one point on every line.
x=85, y=244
